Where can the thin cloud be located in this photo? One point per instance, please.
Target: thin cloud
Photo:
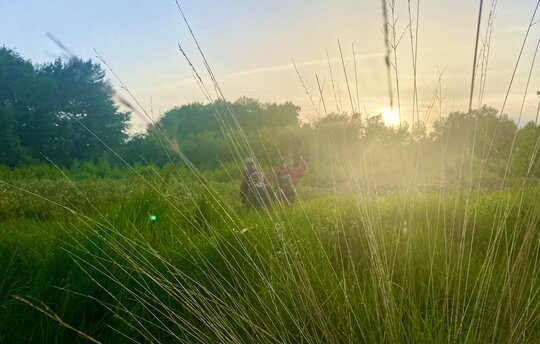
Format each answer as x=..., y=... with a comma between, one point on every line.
x=289, y=66
x=317, y=62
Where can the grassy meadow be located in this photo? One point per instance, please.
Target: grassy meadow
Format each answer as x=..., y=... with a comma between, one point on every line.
x=427, y=232
x=422, y=265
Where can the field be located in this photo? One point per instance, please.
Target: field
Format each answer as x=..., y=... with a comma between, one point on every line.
x=417, y=221
x=417, y=265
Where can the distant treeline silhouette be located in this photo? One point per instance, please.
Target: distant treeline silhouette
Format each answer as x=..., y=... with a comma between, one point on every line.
x=65, y=111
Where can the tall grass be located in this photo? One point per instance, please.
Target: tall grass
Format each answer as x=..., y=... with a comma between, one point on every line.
x=421, y=265
x=335, y=269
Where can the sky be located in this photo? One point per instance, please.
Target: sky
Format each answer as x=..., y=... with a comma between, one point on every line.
x=250, y=46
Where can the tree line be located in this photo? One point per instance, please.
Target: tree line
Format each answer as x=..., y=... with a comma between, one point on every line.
x=65, y=111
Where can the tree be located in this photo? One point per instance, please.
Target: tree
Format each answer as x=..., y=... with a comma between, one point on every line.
x=147, y=148
x=248, y=113
x=85, y=113
x=526, y=160
x=199, y=129
x=491, y=133
x=17, y=95
x=63, y=110
x=12, y=152
x=17, y=78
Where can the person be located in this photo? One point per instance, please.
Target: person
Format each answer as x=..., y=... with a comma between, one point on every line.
x=255, y=191
x=286, y=178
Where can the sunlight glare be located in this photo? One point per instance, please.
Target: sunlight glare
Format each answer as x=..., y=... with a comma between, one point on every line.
x=390, y=117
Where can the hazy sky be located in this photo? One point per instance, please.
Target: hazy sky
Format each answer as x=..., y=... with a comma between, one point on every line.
x=250, y=45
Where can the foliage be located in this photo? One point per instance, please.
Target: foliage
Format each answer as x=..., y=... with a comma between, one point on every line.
x=62, y=110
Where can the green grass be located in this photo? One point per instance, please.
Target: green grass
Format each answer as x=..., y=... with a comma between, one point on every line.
x=403, y=267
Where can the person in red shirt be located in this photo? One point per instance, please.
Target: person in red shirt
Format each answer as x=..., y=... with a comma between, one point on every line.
x=286, y=178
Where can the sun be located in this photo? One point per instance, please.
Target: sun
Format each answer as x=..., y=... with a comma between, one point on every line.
x=390, y=117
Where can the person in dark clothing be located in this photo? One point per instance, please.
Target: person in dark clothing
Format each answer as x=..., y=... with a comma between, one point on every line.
x=255, y=191
x=286, y=178
x=245, y=186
